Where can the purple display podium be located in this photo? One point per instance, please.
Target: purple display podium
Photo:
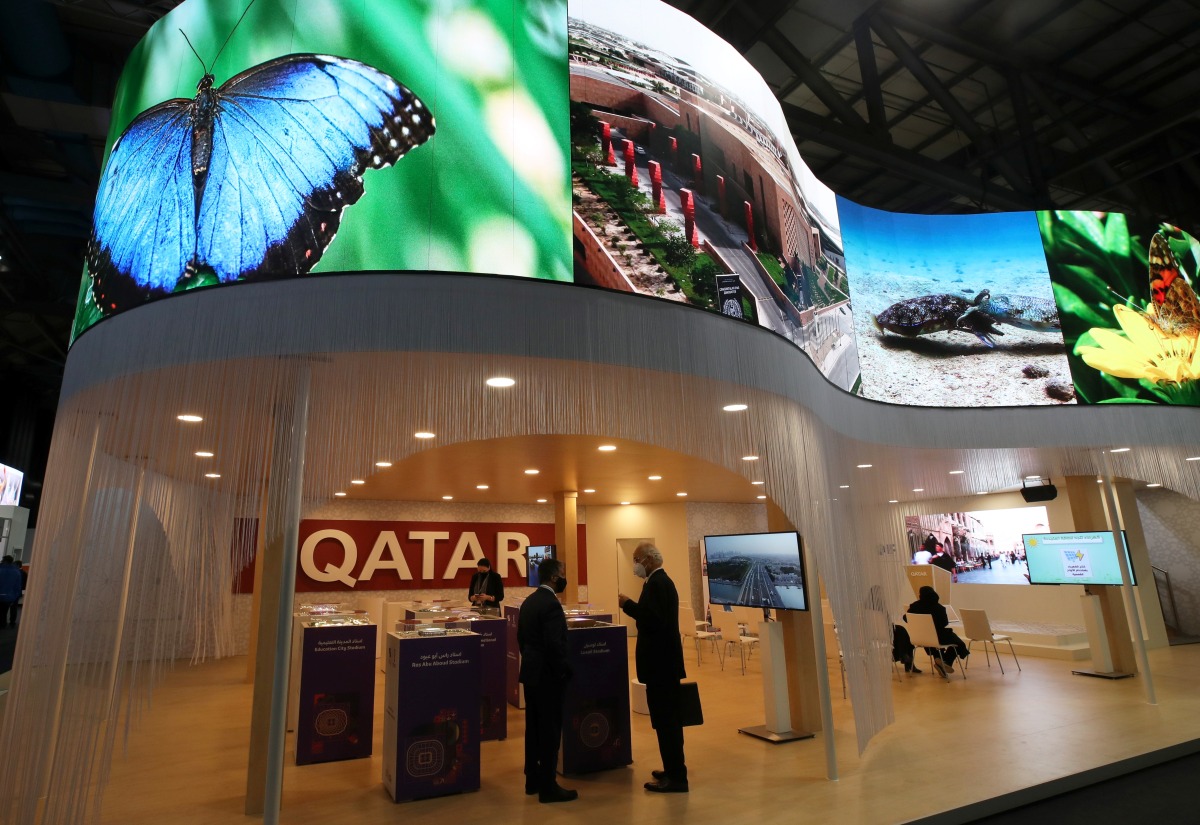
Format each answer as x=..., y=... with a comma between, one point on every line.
x=431, y=714
x=493, y=662
x=336, y=701
x=596, y=711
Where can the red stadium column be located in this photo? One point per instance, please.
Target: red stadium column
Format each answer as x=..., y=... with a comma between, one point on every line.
x=606, y=143
x=749, y=211
x=688, y=201
x=721, y=196
x=673, y=144
x=630, y=164
x=656, y=196
x=697, y=174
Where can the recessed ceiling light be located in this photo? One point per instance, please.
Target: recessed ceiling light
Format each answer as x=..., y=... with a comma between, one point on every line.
x=340, y=494
x=607, y=448
x=758, y=482
x=447, y=498
x=500, y=381
x=734, y=407
x=843, y=486
x=749, y=458
x=893, y=501
x=481, y=487
x=918, y=489
x=1031, y=478
x=541, y=501
x=956, y=472
x=1099, y=481
x=654, y=478
x=623, y=503
x=760, y=497
x=1119, y=450
x=191, y=419
x=532, y=472
x=357, y=481
x=424, y=434
x=1154, y=485
x=203, y=454
x=383, y=464
x=981, y=492
x=1193, y=458
x=864, y=466
x=589, y=490
x=212, y=475
x=681, y=495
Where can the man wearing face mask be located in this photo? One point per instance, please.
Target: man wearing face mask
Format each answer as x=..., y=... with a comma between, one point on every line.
x=659, y=660
x=545, y=671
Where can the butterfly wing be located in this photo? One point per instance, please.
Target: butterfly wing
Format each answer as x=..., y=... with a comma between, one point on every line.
x=143, y=228
x=1176, y=308
x=291, y=140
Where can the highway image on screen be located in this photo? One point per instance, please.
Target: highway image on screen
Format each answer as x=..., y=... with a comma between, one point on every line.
x=757, y=570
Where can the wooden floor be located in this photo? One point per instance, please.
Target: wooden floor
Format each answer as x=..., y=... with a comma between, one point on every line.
x=972, y=740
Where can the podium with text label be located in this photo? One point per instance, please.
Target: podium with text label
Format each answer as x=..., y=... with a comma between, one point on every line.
x=335, y=705
x=596, y=728
x=431, y=713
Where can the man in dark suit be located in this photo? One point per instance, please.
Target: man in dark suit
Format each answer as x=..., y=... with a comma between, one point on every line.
x=659, y=660
x=545, y=671
x=487, y=588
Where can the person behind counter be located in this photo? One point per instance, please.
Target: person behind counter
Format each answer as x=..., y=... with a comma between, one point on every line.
x=545, y=671
x=487, y=588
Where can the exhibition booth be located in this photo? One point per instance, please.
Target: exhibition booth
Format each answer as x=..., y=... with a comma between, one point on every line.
x=288, y=434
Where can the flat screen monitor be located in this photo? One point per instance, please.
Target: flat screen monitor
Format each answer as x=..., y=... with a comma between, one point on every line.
x=10, y=485
x=1075, y=558
x=535, y=554
x=756, y=570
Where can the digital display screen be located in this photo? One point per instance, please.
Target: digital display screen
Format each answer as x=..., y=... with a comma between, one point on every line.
x=756, y=570
x=976, y=546
x=10, y=485
x=535, y=554
x=1075, y=558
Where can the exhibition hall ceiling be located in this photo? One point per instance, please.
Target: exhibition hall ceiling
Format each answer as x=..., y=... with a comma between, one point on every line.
x=931, y=107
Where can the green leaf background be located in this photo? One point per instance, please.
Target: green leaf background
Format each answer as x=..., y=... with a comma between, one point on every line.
x=489, y=193
x=1098, y=260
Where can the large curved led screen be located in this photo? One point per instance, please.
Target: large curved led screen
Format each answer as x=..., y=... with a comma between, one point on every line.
x=615, y=143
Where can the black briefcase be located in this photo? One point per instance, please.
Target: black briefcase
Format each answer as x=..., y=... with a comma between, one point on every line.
x=690, y=710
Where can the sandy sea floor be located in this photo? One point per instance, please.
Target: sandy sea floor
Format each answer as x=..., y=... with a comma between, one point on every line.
x=955, y=369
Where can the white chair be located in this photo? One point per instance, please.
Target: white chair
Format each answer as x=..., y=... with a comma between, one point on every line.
x=731, y=632
x=833, y=646
x=952, y=616
x=689, y=625
x=977, y=628
x=923, y=634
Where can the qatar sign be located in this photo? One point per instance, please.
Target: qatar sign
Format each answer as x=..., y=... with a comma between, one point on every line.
x=340, y=555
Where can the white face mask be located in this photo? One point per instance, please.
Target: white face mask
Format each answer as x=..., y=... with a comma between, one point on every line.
x=639, y=570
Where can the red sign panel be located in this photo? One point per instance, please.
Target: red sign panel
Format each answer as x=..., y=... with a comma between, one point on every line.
x=343, y=555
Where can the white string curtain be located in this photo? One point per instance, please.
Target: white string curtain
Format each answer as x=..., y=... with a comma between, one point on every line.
x=135, y=559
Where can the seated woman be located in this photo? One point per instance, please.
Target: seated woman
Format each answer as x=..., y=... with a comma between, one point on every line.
x=929, y=602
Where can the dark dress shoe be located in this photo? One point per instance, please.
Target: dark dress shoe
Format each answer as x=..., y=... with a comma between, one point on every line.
x=530, y=790
x=659, y=776
x=667, y=786
x=557, y=794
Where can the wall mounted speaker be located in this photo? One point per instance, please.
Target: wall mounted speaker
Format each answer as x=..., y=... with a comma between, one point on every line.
x=1042, y=492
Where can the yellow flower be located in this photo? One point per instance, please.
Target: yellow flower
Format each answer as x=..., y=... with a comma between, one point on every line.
x=1145, y=351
